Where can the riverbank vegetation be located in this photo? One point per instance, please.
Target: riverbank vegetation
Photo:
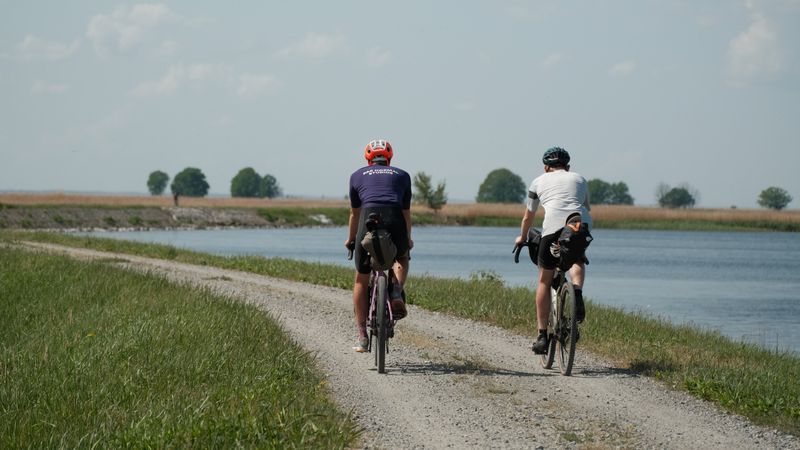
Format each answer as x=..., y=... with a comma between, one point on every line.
x=761, y=384
x=86, y=211
x=93, y=355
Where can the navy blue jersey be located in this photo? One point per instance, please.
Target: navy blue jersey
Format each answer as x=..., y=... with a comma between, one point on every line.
x=378, y=185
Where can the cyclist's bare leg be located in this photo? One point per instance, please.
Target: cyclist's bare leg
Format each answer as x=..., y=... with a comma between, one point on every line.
x=543, y=297
x=577, y=274
x=401, y=269
x=361, y=302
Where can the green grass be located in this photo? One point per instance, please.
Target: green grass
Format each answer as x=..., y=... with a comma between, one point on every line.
x=760, y=384
x=94, y=355
x=303, y=216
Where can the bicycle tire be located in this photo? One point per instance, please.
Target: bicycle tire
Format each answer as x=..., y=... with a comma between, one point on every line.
x=383, y=324
x=567, y=328
x=548, y=358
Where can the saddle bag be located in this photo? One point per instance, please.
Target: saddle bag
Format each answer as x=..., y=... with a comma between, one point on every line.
x=573, y=240
x=382, y=251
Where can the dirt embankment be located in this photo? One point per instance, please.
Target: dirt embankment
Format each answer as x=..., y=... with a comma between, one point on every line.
x=142, y=218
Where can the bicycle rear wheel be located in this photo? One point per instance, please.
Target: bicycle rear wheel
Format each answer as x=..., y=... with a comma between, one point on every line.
x=566, y=327
x=547, y=359
x=383, y=324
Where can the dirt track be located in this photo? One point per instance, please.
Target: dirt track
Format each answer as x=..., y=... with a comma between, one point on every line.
x=453, y=383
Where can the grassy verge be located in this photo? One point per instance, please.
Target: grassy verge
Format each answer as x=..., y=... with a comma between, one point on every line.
x=95, y=355
x=760, y=384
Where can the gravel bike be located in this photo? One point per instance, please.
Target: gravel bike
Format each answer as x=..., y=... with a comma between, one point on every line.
x=380, y=319
x=562, y=325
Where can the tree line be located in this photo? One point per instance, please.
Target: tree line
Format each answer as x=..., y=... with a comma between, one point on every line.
x=500, y=186
x=503, y=186
x=191, y=182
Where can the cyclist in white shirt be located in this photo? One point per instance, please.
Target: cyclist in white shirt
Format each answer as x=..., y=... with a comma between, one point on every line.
x=561, y=193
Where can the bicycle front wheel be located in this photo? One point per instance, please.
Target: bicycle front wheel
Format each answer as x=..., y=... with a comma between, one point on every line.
x=566, y=327
x=383, y=324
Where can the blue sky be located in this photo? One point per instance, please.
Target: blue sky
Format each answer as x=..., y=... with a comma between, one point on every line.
x=96, y=94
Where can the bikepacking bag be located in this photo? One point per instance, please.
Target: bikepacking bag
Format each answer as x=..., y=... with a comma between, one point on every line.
x=534, y=238
x=573, y=240
x=382, y=251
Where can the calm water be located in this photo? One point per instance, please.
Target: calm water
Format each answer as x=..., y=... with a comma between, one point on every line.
x=746, y=285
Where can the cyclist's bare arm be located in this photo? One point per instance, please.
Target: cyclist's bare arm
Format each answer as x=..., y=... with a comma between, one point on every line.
x=407, y=216
x=352, y=225
x=527, y=222
x=531, y=205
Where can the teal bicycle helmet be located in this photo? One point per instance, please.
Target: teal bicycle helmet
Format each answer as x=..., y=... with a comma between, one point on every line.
x=555, y=157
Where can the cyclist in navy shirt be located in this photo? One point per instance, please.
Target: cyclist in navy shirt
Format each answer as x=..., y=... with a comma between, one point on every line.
x=379, y=188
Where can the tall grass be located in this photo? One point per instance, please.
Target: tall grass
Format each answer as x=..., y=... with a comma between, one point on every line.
x=760, y=384
x=287, y=212
x=91, y=355
x=62, y=199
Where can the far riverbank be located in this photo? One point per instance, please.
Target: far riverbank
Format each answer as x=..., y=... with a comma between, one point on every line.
x=77, y=212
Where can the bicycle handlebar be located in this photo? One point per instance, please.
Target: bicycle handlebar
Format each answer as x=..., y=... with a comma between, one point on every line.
x=517, y=249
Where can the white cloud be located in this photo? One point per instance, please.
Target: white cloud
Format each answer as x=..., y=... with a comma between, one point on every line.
x=316, y=47
x=252, y=85
x=126, y=27
x=552, y=60
x=180, y=75
x=377, y=57
x=622, y=69
x=42, y=87
x=33, y=47
x=755, y=53
x=199, y=76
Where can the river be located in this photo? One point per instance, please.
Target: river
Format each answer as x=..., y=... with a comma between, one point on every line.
x=746, y=285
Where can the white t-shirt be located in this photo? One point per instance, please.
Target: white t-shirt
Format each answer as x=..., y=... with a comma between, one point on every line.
x=560, y=193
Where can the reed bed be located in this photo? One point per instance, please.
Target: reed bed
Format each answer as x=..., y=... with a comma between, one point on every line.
x=621, y=213
x=478, y=214
x=63, y=199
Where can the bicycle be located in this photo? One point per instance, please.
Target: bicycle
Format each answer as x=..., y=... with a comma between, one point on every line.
x=562, y=325
x=380, y=319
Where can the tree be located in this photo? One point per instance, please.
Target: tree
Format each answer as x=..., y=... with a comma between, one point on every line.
x=246, y=183
x=424, y=192
x=774, y=198
x=599, y=192
x=157, y=182
x=269, y=187
x=501, y=186
x=619, y=194
x=603, y=193
x=678, y=197
x=190, y=182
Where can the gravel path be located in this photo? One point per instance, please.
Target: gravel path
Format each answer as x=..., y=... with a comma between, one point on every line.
x=454, y=383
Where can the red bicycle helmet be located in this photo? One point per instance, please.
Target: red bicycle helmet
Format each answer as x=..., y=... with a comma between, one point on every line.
x=378, y=148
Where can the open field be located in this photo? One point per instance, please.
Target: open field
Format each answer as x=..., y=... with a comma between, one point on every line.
x=288, y=212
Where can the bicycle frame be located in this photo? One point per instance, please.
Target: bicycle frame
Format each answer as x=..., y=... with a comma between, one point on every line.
x=380, y=319
x=562, y=328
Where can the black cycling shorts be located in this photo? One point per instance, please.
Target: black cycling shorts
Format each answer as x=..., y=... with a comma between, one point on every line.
x=546, y=259
x=393, y=221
